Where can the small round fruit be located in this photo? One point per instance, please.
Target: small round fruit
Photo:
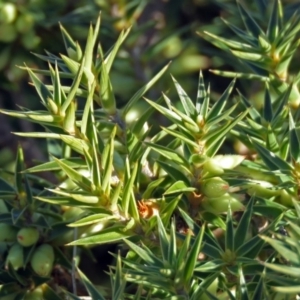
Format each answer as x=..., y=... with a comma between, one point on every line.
x=47, y=250
x=219, y=205
x=28, y=236
x=212, y=168
x=8, y=13
x=8, y=233
x=42, y=260
x=72, y=213
x=15, y=256
x=36, y=294
x=24, y=23
x=214, y=187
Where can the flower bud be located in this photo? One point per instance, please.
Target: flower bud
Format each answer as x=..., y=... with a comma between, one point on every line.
x=15, y=256
x=28, y=236
x=214, y=187
x=8, y=233
x=42, y=260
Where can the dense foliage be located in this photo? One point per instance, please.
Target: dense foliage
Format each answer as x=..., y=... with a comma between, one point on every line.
x=206, y=206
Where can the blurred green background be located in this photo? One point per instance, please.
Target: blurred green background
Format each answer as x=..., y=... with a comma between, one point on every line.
x=162, y=31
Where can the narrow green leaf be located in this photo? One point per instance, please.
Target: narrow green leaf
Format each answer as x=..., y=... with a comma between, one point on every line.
x=241, y=75
x=78, y=145
x=172, y=247
x=192, y=258
x=282, y=269
x=215, y=138
x=111, y=57
x=294, y=142
x=89, y=47
x=108, y=100
x=284, y=250
x=273, y=26
x=106, y=236
x=202, y=102
x=268, y=107
x=88, y=111
x=78, y=178
x=252, y=27
x=108, y=167
x=229, y=233
x=221, y=117
x=41, y=89
x=271, y=141
x=242, y=34
x=169, y=154
x=74, y=163
x=41, y=117
x=19, y=167
x=225, y=44
x=243, y=225
x=68, y=41
x=220, y=104
x=186, y=102
x=243, y=290
x=179, y=187
x=118, y=281
x=57, y=87
x=139, y=94
x=91, y=289
x=145, y=253
x=127, y=193
x=182, y=136
x=293, y=289
x=163, y=240
x=166, y=112
x=74, y=87
x=273, y=161
x=78, y=196
x=202, y=288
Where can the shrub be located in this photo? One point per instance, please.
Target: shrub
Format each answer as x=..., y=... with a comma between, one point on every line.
x=190, y=221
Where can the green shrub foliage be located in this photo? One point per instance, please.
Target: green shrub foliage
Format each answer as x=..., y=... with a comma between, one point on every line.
x=190, y=218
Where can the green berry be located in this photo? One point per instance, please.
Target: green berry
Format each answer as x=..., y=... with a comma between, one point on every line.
x=214, y=187
x=24, y=23
x=8, y=13
x=8, y=233
x=47, y=250
x=28, y=236
x=15, y=256
x=36, y=294
x=42, y=260
x=219, y=205
x=72, y=213
x=212, y=168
